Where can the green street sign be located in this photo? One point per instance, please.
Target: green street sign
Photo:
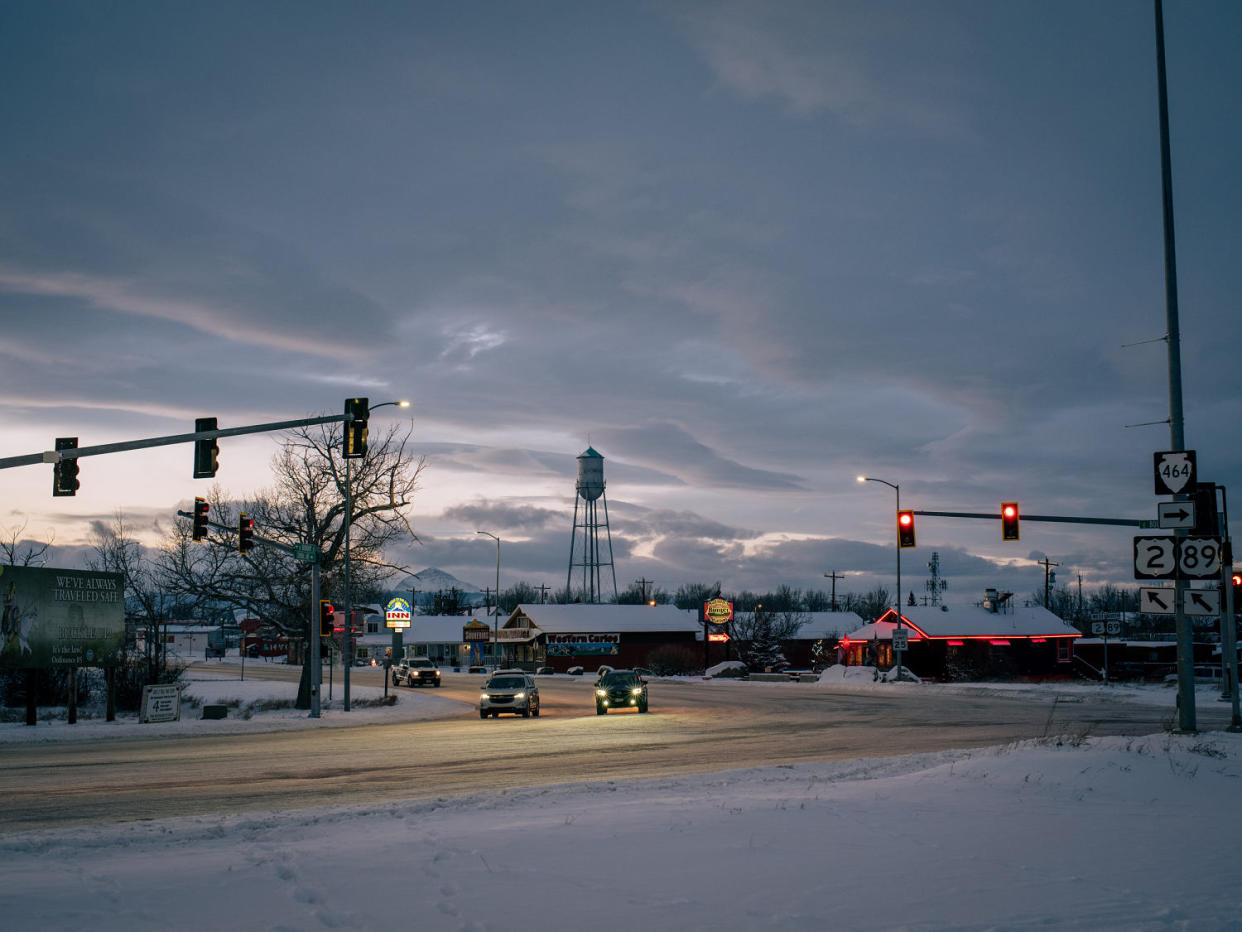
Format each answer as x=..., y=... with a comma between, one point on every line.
x=305, y=552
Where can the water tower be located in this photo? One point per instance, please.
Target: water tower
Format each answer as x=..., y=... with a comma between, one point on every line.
x=588, y=554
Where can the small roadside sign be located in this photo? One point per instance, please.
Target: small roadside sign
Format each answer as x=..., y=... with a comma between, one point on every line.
x=1157, y=601
x=901, y=639
x=1176, y=514
x=1097, y=627
x=1112, y=627
x=1201, y=602
x=1175, y=471
x=305, y=552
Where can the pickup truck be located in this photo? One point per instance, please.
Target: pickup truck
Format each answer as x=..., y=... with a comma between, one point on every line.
x=416, y=671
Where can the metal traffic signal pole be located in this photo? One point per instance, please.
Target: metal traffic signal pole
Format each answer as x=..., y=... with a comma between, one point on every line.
x=1177, y=439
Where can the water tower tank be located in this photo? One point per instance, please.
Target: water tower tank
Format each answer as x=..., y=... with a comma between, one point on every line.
x=590, y=475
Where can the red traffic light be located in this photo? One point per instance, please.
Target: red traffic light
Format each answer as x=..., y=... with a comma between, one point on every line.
x=1009, y=521
x=201, y=509
x=245, y=533
x=327, y=618
x=905, y=529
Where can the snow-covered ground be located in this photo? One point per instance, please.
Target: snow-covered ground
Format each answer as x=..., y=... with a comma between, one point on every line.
x=1116, y=833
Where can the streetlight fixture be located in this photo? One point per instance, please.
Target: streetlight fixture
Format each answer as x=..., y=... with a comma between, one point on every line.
x=496, y=616
x=896, y=488
x=347, y=650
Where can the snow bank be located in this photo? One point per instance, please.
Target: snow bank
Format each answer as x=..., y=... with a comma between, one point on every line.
x=1136, y=833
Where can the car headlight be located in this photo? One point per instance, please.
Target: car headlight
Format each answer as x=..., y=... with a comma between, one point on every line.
x=519, y=695
x=483, y=697
x=637, y=690
x=601, y=692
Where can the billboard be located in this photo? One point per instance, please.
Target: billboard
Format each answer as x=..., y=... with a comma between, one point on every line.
x=60, y=617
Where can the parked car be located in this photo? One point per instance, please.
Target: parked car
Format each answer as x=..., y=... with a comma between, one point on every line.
x=620, y=689
x=509, y=691
x=476, y=668
x=575, y=671
x=545, y=671
x=416, y=671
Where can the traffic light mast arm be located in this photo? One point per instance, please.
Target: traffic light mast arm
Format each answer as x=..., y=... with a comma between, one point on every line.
x=266, y=542
x=1065, y=519
x=55, y=456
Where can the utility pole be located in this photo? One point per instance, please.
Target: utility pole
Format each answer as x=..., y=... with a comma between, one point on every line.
x=543, y=594
x=1047, y=565
x=834, y=576
x=643, y=584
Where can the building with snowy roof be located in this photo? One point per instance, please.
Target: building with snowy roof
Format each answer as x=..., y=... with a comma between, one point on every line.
x=994, y=638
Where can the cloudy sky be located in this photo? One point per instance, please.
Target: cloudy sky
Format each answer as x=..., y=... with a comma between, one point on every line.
x=747, y=251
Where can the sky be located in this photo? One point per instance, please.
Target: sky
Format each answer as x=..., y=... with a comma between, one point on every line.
x=746, y=251
x=1071, y=832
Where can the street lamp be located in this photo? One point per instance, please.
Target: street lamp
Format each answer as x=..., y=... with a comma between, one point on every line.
x=348, y=647
x=896, y=488
x=496, y=617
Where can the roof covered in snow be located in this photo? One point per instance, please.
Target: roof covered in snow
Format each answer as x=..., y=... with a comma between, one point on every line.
x=591, y=618
x=970, y=621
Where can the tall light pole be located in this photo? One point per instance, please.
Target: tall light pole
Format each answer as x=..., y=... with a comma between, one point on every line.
x=347, y=651
x=496, y=617
x=896, y=488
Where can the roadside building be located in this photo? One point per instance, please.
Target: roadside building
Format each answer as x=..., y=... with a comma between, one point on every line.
x=592, y=635
x=995, y=638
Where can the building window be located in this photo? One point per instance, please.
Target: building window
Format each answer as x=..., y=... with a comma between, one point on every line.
x=373, y=627
x=1063, y=650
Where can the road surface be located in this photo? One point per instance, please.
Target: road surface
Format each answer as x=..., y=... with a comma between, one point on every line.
x=692, y=728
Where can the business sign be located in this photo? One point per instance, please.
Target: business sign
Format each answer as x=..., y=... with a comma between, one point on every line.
x=476, y=631
x=67, y=618
x=718, y=611
x=720, y=638
x=574, y=645
x=397, y=614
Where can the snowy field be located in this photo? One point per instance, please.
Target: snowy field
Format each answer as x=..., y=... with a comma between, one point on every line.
x=1102, y=833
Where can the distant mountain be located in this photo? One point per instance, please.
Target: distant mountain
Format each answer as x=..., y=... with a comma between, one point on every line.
x=434, y=580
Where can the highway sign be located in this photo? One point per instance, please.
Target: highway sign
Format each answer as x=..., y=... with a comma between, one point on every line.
x=1156, y=601
x=1175, y=471
x=1198, y=557
x=1112, y=627
x=1097, y=627
x=1155, y=558
x=306, y=553
x=1176, y=514
x=1201, y=602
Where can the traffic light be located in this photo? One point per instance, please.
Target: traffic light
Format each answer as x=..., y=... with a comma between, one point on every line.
x=327, y=618
x=356, y=430
x=65, y=472
x=1009, y=520
x=905, y=529
x=200, y=518
x=206, y=452
x=1237, y=593
x=245, y=532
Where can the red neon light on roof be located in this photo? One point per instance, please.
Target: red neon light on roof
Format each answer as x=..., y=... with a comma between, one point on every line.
x=1038, y=640
x=999, y=642
x=954, y=643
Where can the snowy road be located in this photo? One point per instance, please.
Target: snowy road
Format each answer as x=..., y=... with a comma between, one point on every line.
x=693, y=728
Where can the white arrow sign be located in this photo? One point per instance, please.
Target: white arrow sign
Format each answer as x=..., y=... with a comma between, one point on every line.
x=1176, y=514
x=1156, y=601
x=1201, y=602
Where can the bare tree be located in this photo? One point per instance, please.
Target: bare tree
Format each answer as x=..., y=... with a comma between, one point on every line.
x=16, y=550
x=760, y=634
x=306, y=504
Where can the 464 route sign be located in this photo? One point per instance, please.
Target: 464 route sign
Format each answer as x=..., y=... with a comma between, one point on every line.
x=1176, y=557
x=1175, y=471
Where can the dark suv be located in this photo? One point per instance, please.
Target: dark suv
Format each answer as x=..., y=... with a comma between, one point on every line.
x=509, y=691
x=620, y=689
